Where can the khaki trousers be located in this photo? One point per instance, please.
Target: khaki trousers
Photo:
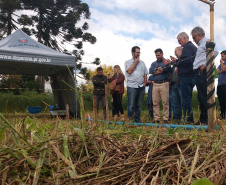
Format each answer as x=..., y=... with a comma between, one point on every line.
x=160, y=91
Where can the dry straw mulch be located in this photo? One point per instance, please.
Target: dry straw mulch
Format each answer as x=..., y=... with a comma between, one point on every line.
x=126, y=156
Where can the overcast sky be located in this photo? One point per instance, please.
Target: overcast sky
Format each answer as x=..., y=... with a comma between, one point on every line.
x=120, y=24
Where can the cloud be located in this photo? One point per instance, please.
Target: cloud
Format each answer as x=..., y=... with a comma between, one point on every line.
x=220, y=7
x=116, y=49
x=127, y=24
x=172, y=10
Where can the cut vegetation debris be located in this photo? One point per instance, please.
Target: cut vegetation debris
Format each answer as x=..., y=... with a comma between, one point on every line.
x=55, y=151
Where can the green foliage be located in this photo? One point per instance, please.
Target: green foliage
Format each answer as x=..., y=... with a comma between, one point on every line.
x=7, y=22
x=80, y=133
x=202, y=181
x=88, y=101
x=2, y=134
x=19, y=103
x=19, y=83
x=172, y=130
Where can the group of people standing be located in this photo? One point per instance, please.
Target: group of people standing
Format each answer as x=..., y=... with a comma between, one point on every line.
x=171, y=80
x=99, y=81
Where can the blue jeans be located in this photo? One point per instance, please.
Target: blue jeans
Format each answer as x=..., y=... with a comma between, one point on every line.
x=186, y=85
x=201, y=84
x=135, y=96
x=177, y=101
x=149, y=100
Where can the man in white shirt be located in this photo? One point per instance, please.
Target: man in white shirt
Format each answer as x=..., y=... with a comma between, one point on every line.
x=136, y=74
x=199, y=67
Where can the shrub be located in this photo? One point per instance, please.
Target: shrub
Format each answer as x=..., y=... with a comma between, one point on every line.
x=19, y=103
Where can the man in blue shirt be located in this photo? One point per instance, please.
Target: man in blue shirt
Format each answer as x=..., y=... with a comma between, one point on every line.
x=186, y=74
x=221, y=87
x=136, y=74
x=199, y=66
x=160, y=90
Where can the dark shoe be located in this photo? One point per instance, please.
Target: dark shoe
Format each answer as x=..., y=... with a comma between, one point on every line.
x=156, y=121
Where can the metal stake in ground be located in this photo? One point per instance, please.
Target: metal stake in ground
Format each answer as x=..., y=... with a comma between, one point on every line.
x=211, y=105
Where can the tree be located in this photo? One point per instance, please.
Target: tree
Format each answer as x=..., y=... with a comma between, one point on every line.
x=55, y=25
x=18, y=83
x=7, y=11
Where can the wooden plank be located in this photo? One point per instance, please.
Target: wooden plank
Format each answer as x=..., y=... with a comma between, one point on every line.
x=67, y=112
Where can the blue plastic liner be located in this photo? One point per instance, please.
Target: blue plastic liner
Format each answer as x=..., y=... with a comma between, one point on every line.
x=34, y=110
x=188, y=127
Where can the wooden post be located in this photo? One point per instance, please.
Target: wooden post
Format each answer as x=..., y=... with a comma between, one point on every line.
x=211, y=106
x=67, y=112
x=106, y=100
x=95, y=108
x=211, y=87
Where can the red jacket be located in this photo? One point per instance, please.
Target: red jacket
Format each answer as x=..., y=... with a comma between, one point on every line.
x=120, y=81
